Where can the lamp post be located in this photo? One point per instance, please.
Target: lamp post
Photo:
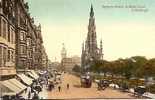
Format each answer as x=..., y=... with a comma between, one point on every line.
x=134, y=61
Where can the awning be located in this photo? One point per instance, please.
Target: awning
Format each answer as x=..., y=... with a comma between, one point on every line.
x=7, y=93
x=5, y=90
x=17, y=83
x=25, y=79
x=29, y=73
x=34, y=73
x=11, y=86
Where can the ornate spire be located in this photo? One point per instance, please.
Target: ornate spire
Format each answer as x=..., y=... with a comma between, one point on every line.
x=83, y=47
x=90, y=50
x=63, y=52
x=91, y=11
x=91, y=42
x=101, y=49
x=101, y=43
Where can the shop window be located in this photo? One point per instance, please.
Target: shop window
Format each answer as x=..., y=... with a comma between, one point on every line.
x=22, y=49
x=9, y=38
x=12, y=56
x=12, y=35
x=4, y=28
x=22, y=36
x=8, y=55
x=4, y=55
x=1, y=56
x=0, y=27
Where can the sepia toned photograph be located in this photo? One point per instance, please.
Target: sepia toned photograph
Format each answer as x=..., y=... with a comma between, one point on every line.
x=77, y=49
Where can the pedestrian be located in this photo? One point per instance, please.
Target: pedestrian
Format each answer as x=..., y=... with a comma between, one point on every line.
x=29, y=94
x=17, y=97
x=47, y=82
x=114, y=86
x=67, y=86
x=35, y=97
x=50, y=87
x=59, y=88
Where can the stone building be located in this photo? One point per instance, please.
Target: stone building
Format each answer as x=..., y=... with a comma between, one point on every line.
x=63, y=52
x=69, y=62
x=21, y=43
x=7, y=38
x=44, y=59
x=90, y=50
x=53, y=65
x=27, y=37
x=38, y=48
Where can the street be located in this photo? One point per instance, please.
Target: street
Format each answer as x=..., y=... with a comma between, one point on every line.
x=76, y=92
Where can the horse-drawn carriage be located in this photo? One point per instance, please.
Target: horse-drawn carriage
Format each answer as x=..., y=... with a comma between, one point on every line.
x=140, y=90
x=86, y=81
x=102, y=84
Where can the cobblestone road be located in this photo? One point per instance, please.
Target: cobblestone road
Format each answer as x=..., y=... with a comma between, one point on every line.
x=75, y=91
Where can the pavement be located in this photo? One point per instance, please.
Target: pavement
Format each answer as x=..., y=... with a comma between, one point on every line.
x=75, y=91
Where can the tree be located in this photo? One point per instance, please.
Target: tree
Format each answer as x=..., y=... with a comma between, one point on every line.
x=95, y=66
x=138, y=62
x=76, y=68
x=148, y=70
x=105, y=67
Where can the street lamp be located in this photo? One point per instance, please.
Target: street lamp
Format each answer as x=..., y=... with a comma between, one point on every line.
x=134, y=61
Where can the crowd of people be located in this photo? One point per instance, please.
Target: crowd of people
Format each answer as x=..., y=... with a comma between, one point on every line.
x=35, y=89
x=55, y=83
x=52, y=86
x=44, y=82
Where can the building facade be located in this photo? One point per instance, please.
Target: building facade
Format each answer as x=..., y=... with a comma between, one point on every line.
x=7, y=37
x=70, y=62
x=27, y=38
x=90, y=50
x=21, y=43
x=44, y=59
x=37, y=48
x=53, y=65
x=63, y=52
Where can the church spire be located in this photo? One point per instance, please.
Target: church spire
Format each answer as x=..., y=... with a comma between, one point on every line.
x=90, y=50
x=91, y=11
x=63, y=52
x=83, y=46
x=101, y=49
x=91, y=42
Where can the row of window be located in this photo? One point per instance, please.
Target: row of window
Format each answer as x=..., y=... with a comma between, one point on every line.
x=22, y=49
x=22, y=36
x=6, y=55
x=7, y=31
x=29, y=54
x=29, y=42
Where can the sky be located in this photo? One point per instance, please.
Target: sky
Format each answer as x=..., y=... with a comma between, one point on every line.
x=126, y=31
